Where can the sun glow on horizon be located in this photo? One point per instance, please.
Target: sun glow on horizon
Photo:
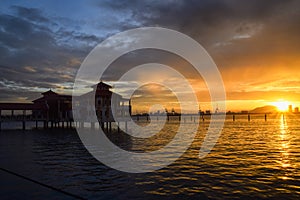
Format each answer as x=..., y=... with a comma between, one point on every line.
x=281, y=105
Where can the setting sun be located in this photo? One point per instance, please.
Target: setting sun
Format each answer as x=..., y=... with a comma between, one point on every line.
x=282, y=106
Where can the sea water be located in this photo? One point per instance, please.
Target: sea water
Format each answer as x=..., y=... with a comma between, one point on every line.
x=254, y=159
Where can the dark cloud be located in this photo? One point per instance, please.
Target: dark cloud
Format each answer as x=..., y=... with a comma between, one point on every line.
x=237, y=34
x=243, y=37
x=248, y=40
x=32, y=14
x=194, y=16
x=34, y=55
x=212, y=21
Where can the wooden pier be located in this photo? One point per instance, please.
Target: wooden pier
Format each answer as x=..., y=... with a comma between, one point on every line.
x=107, y=125
x=55, y=110
x=8, y=113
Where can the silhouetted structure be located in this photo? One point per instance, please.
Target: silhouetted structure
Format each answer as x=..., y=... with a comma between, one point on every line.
x=51, y=106
x=105, y=101
x=56, y=108
x=59, y=107
x=290, y=108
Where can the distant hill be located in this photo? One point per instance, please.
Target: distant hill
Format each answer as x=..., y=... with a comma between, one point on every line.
x=265, y=109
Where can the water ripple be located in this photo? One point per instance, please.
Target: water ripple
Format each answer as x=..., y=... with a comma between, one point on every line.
x=254, y=159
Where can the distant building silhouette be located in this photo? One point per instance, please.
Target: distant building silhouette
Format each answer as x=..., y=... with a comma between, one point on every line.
x=290, y=108
x=207, y=112
x=296, y=109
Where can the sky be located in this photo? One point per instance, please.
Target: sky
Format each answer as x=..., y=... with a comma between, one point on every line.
x=255, y=44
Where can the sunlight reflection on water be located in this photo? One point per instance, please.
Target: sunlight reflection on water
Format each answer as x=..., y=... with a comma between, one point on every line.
x=256, y=159
x=284, y=150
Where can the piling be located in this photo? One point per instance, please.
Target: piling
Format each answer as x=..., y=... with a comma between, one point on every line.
x=23, y=122
x=248, y=117
x=102, y=126
x=107, y=127
x=265, y=117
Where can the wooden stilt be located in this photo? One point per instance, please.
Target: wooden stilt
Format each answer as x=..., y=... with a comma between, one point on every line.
x=265, y=117
x=23, y=125
x=23, y=122
x=0, y=119
x=107, y=126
